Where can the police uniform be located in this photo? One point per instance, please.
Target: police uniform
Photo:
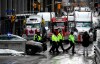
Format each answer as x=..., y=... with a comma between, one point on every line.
x=71, y=39
x=54, y=43
x=60, y=40
x=37, y=38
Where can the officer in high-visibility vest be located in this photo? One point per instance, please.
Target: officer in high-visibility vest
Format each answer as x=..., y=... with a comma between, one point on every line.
x=71, y=39
x=60, y=40
x=37, y=37
x=54, y=43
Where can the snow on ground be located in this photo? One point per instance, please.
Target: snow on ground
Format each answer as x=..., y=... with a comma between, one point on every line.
x=9, y=51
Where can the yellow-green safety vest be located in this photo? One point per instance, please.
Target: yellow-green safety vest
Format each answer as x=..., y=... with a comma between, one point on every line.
x=71, y=38
x=37, y=37
x=60, y=37
x=54, y=38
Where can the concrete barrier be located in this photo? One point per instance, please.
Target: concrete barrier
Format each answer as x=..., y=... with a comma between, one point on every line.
x=13, y=45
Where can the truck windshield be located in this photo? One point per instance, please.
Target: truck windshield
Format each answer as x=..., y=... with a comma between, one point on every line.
x=57, y=24
x=36, y=25
x=71, y=24
x=83, y=24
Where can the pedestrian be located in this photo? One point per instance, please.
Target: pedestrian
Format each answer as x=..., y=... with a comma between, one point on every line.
x=71, y=39
x=85, y=42
x=54, y=40
x=60, y=40
x=91, y=39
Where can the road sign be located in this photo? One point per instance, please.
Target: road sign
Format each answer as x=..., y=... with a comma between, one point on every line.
x=9, y=11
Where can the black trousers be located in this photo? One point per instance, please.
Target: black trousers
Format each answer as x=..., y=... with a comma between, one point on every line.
x=60, y=45
x=72, y=45
x=54, y=47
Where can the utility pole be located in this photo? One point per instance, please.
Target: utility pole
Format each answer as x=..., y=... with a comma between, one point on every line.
x=13, y=17
x=53, y=5
x=30, y=6
x=44, y=5
x=93, y=5
x=33, y=7
x=23, y=6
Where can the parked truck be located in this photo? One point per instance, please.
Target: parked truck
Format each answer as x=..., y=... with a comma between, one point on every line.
x=59, y=23
x=83, y=22
x=33, y=23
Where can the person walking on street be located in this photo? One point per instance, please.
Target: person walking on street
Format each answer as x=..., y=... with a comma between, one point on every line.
x=60, y=40
x=54, y=43
x=71, y=39
x=85, y=42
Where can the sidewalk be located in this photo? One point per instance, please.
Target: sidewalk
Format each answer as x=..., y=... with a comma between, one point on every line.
x=11, y=52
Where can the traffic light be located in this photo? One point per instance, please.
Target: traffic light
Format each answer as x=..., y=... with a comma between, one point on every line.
x=39, y=7
x=13, y=17
x=34, y=5
x=24, y=22
x=59, y=5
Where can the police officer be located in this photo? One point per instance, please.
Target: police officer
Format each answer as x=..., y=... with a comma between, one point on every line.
x=71, y=39
x=60, y=40
x=54, y=43
x=37, y=37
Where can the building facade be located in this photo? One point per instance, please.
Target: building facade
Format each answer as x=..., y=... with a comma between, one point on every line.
x=9, y=7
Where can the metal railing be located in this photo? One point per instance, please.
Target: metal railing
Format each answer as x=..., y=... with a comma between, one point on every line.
x=97, y=54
